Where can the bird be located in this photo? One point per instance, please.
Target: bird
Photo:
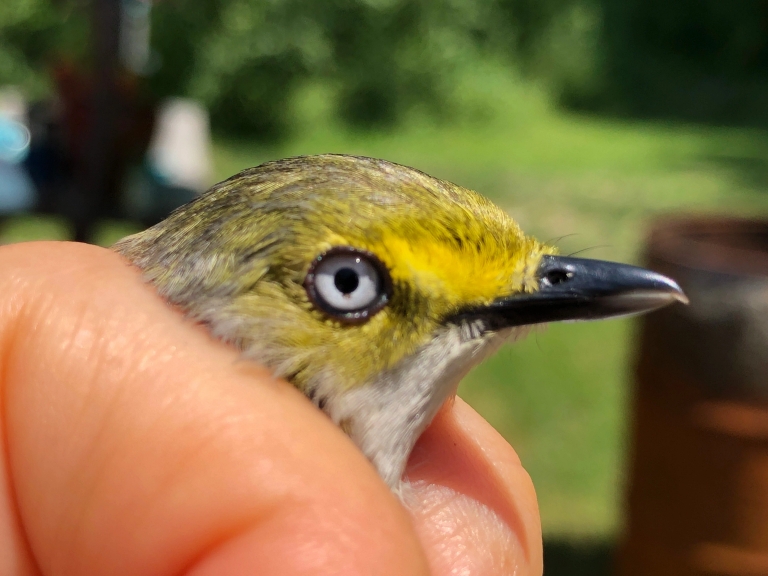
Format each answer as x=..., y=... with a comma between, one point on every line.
x=371, y=287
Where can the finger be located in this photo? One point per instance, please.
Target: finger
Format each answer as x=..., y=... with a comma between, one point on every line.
x=473, y=504
x=138, y=445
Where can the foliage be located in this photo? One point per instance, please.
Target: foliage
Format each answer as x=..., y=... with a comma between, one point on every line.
x=385, y=58
x=694, y=59
x=31, y=30
x=245, y=59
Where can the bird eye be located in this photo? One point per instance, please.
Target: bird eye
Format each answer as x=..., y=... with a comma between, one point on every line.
x=348, y=284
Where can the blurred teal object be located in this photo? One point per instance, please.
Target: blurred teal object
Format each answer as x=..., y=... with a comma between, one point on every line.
x=17, y=192
x=14, y=141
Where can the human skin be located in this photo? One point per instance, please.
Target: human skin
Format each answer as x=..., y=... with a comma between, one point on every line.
x=134, y=443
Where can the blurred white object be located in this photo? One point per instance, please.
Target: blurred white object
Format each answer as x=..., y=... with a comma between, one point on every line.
x=178, y=164
x=180, y=151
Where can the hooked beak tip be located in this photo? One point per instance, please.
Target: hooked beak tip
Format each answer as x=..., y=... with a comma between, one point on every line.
x=681, y=297
x=659, y=288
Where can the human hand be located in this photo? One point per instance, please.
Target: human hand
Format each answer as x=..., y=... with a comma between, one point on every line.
x=134, y=443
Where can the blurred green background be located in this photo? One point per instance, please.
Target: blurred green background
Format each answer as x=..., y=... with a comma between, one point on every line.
x=585, y=119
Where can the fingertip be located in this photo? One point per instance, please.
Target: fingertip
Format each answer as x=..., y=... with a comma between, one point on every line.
x=473, y=503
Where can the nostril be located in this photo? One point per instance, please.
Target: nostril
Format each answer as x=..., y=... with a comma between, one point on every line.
x=555, y=277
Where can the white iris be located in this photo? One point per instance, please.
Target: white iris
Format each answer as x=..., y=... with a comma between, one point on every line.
x=347, y=282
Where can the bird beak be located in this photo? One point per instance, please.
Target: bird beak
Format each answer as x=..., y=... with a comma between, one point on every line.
x=583, y=289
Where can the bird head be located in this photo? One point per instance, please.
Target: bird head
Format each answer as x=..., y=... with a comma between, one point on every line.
x=370, y=286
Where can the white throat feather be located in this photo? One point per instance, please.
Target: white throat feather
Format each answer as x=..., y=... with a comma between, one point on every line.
x=386, y=415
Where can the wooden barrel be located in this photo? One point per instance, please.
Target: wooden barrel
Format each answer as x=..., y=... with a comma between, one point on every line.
x=697, y=488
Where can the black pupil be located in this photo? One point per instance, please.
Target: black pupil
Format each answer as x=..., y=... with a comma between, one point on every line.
x=346, y=280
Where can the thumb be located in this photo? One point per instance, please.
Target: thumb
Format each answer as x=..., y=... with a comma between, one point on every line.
x=135, y=444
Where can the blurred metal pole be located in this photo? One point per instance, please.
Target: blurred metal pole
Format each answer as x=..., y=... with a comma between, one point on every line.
x=101, y=149
x=698, y=481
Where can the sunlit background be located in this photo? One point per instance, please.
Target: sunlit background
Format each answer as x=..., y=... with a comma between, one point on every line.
x=585, y=119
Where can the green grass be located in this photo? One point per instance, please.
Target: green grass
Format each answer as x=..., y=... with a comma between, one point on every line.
x=561, y=396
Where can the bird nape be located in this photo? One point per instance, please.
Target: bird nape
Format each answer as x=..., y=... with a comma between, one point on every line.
x=371, y=287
